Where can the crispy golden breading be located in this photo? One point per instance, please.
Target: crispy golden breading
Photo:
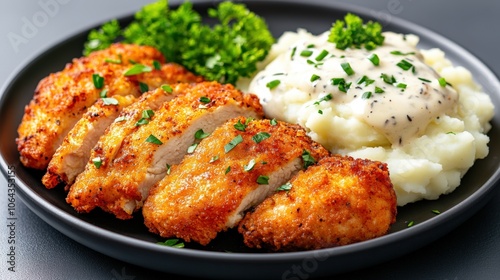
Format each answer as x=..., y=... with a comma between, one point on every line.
x=339, y=201
x=122, y=182
x=61, y=98
x=73, y=154
x=211, y=188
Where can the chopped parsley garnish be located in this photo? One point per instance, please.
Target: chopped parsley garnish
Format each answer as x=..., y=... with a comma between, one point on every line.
x=249, y=166
x=103, y=93
x=261, y=136
x=410, y=223
x=366, y=95
x=174, y=242
x=204, y=100
x=341, y=83
x=169, y=168
x=306, y=53
x=229, y=146
x=272, y=84
x=286, y=187
x=424, y=80
x=388, y=79
x=156, y=65
x=353, y=33
x=308, y=159
x=314, y=77
x=324, y=98
x=146, y=115
x=442, y=82
x=200, y=134
x=293, y=52
x=191, y=148
x=347, y=68
x=97, y=161
x=143, y=87
x=240, y=126
x=152, y=139
x=214, y=158
x=98, y=81
x=137, y=69
x=321, y=55
x=379, y=90
x=114, y=61
x=435, y=211
x=401, y=86
x=109, y=101
x=273, y=122
x=228, y=169
x=167, y=88
x=365, y=80
x=263, y=180
x=121, y=119
x=374, y=59
x=401, y=53
x=405, y=65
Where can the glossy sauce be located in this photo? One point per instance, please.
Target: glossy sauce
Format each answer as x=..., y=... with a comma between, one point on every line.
x=398, y=97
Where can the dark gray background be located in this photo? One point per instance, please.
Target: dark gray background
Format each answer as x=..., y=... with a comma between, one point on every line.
x=472, y=251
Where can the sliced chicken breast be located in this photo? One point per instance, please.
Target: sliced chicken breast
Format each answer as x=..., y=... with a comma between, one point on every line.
x=73, y=154
x=339, y=201
x=233, y=169
x=63, y=97
x=122, y=182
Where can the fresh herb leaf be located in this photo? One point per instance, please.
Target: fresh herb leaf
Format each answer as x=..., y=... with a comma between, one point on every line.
x=324, y=98
x=98, y=81
x=97, y=161
x=240, y=126
x=152, y=139
x=321, y=55
x=308, y=159
x=272, y=84
x=249, y=166
x=405, y=65
x=401, y=53
x=103, y=93
x=233, y=143
x=273, y=122
x=200, y=134
x=374, y=59
x=263, y=180
x=143, y=87
x=191, y=148
x=167, y=88
x=314, y=77
x=174, y=242
x=347, y=68
x=204, y=100
x=366, y=95
x=109, y=101
x=156, y=65
x=214, y=158
x=286, y=187
x=138, y=69
x=261, y=136
x=306, y=53
x=442, y=82
x=102, y=38
x=353, y=33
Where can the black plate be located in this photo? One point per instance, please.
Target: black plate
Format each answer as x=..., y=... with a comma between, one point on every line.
x=130, y=241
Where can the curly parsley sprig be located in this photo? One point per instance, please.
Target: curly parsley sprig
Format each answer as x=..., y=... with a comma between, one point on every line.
x=353, y=33
x=222, y=52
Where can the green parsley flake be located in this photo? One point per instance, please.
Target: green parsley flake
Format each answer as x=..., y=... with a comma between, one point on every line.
x=379, y=90
x=314, y=77
x=435, y=211
x=321, y=55
x=405, y=65
x=352, y=32
x=424, y=80
x=143, y=87
x=97, y=161
x=98, y=81
x=191, y=148
x=109, y=101
x=249, y=166
x=233, y=143
x=261, y=136
x=401, y=53
x=137, y=69
x=228, y=169
x=374, y=59
x=167, y=88
x=214, y=158
x=200, y=134
x=174, y=242
x=306, y=53
x=308, y=159
x=366, y=95
x=272, y=84
x=103, y=93
x=388, y=79
x=263, y=180
x=324, y=98
x=347, y=68
x=273, y=122
x=286, y=187
x=240, y=126
x=169, y=168
x=442, y=82
x=156, y=65
x=204, y=100
x=152, y=139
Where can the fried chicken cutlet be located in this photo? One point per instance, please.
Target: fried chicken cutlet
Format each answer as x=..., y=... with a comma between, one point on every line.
x=233, y=169
x=339, y=201
x=62, y=98
x=73, y=154
x=122, y=182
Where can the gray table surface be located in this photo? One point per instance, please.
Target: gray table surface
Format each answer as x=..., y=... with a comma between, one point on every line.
x=471, y=251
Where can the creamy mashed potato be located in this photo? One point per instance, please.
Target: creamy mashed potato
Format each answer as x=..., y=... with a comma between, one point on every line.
x=410, y=108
